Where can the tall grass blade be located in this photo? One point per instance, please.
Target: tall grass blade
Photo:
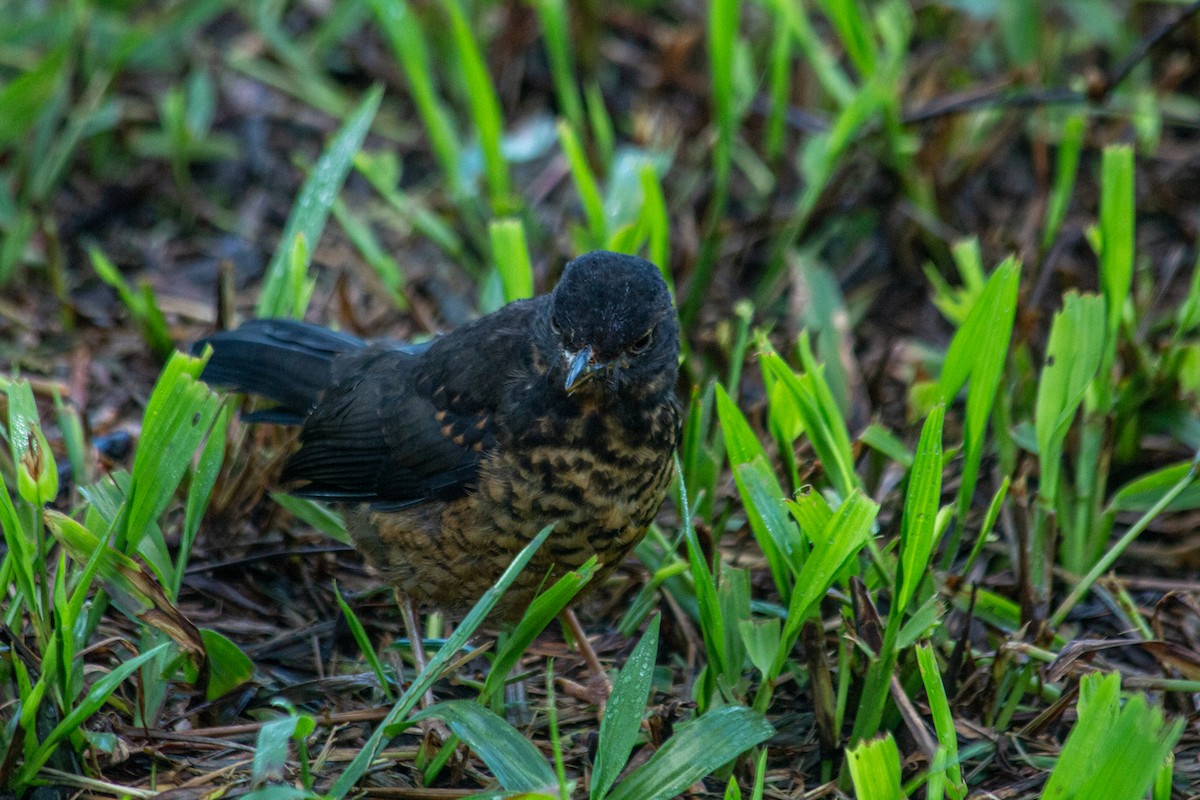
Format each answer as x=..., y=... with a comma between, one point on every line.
x=695, y=750
x=623, y=716
x=407, y=39
x=408, y=701
x=97, y=695
x=875, y=769
x=512, y=758
x=311, y=208
x=485, y=108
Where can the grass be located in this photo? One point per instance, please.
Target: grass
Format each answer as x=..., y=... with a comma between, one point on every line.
x=937, y=476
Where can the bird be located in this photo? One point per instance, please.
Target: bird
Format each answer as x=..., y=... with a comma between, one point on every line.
x=450, y=455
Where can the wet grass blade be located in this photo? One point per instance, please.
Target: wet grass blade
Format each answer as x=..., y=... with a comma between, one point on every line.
x=179, y=415
x=485, y=108
x=407, y=40
x=97, y=695
x=586, y=185
x=433, y=670
x=623, y=716
x=510, y=252
x=943, y=720
x=311, y=208
x=875, y=769
x=557, y=36
x=544, y=609
x=364, y=644
x=918, y=527
x=1115, y=750
x=696, y=749
x=512, y=758
x=1069, y=148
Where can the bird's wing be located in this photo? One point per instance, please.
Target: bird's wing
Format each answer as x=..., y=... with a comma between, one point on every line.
x=399, y=427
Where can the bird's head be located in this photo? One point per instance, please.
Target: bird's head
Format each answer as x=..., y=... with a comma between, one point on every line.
x=611, y=327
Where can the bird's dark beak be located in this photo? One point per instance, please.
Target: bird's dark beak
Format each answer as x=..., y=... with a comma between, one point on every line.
x=580, y=367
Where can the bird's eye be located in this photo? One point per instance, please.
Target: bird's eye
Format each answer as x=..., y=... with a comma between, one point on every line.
x=642, y=343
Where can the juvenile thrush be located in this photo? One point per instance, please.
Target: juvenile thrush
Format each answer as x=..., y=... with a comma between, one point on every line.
x=451, y=455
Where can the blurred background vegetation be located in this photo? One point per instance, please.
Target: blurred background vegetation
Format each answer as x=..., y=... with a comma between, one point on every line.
x=935, y=261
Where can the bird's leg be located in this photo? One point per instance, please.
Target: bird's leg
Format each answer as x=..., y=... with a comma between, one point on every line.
x=415, y=640
x=599, y=679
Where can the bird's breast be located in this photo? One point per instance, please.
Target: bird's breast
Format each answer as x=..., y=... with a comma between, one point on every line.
x=599, y=477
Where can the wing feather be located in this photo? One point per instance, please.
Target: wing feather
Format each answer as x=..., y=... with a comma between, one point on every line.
x=401, y=425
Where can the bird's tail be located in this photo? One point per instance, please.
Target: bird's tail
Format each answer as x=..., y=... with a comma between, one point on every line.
x=283, y=360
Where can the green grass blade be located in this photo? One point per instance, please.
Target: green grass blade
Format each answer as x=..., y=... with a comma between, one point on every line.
x=1141, y=494
x=943, y=720
x=842, y=536
x=979, y=351
x=510, y=251
x=695, y=750
x=557, y=36
x=179, y=414
x=142, y=306
x=1115, y=750
x=722, y=36
x=407, y=40
x=321, y=517
x=824, y=64
x=712, y=622
x=541, y=612
x=408, y=701
x=311, y=208
x=364, y=643
x=485, y=107
x=228, y=666
x=657, y=222
x=133, y=589
x=515, y=762
x=918, y=527
x=1084, y=585
x=1117, y=234
x=204, y=478
x=779, y=74
x=822, y=420
x=585, y=185
x=1064, y=177
x=26, y=96
x=97, y=695
x=379, y=260
x=382, y=171
x=762, y=497
x=21, y=559
x=825, y=317
x=1073, y=355
x=875, y=769
x=851, y=24
x=623, y=716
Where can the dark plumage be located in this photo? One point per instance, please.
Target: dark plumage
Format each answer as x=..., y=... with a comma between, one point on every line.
x=452, y=455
